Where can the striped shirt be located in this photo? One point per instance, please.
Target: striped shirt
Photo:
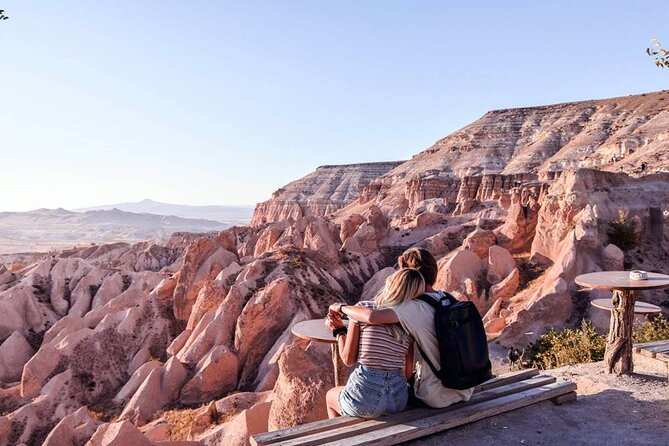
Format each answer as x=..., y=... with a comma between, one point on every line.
x=379, y=348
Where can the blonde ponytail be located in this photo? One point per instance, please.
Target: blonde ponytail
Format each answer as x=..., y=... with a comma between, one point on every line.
x=403, y=286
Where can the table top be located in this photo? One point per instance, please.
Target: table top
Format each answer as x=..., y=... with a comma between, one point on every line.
x=314, y=330
x=639, y=307
x=620, y=280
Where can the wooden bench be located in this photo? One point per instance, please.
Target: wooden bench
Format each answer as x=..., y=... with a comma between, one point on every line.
x=655, y=350
x=499, y=395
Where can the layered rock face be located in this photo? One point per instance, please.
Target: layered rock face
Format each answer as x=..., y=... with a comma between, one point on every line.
x=618, y=134
x=322, y=192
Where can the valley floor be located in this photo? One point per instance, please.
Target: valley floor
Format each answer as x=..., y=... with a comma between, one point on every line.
x=609, y=410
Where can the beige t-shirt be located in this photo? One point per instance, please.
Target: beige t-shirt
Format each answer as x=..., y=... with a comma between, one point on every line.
x=417, y=318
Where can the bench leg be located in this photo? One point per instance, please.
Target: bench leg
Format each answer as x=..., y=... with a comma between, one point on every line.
x=567, y=397
x=618, y=356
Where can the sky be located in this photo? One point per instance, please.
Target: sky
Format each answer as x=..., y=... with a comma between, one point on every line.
x=218, y=102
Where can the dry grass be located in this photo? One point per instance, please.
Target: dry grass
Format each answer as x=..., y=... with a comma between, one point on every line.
x=179, y=421
x=99, y=416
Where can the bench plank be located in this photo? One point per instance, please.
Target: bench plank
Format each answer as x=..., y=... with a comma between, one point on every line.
x=651, y=344
x=325, y=425
x=507, y=378
x=341, y=433
x=647, y=354
x=274, y=437
x=419, y=428
x=567, y=397
x=657, y=348
x=663, y=357
x=652, y=349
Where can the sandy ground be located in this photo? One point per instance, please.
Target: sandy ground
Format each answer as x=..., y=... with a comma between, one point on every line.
x=610, y=410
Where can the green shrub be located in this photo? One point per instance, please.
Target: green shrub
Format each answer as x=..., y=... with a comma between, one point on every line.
x=574, y=346
x=622, y=231
x=655, y=329
x=567, y=347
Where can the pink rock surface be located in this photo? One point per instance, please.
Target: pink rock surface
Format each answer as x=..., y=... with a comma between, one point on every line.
x=122, y=433
x=500, y=264
x=263, y=319
x=427, y=219
x=268, y=369
x=507, y=287
x=364, y=240
x=235, y=403
x=613, y=258
x=14, y=353
x=6, y=276
x=215, y=375
x=208, y=299
x=160, y=388
x=75, y=428
x=203, y=260
x=136, y=380
x=249, y=422
x=22, y=311
x=376, y=283
x=322, y=237
x=460, y=272
x=157, y=430
x=518, y=230
x=350, y=225
x=479, y=242
x=299, y=394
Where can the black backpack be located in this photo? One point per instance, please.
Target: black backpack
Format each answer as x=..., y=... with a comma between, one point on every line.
x=463, y=346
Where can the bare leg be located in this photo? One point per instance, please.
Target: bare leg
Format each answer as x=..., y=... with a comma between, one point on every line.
x=332, y=400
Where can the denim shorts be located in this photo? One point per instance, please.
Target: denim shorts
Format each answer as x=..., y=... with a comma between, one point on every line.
x=372, y=392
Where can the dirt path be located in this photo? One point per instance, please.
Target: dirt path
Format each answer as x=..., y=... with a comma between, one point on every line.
x=631, y=410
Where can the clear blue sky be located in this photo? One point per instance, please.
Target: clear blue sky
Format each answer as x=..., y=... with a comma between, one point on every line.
x=213, y=102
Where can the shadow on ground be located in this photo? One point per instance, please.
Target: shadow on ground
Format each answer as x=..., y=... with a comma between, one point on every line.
x=611, y=416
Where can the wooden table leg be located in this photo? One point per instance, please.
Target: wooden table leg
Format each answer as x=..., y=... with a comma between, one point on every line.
x=618, y=356
x=336, y=363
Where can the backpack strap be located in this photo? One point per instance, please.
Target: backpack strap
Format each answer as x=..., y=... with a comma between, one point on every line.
x=436, y=372
x=434, y=304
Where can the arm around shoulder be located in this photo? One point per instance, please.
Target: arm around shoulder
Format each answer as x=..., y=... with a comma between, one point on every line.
x=370, y=316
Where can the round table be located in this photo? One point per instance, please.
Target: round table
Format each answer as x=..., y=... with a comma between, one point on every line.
x=315, y=330
x=618, y=355
x=643, y=308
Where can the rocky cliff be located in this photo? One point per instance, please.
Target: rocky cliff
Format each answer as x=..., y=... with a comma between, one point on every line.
x=322, y=192
x=625, y=134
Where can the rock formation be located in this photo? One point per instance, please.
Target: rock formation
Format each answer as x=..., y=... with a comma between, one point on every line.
x=486, y=159
x=322, y=192
x=189, y=341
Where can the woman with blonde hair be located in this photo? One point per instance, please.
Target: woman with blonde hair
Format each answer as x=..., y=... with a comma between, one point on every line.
x=384, y=354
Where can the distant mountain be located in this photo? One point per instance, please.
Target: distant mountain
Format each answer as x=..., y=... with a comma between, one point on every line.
x=45, y=229
x=231, y=215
